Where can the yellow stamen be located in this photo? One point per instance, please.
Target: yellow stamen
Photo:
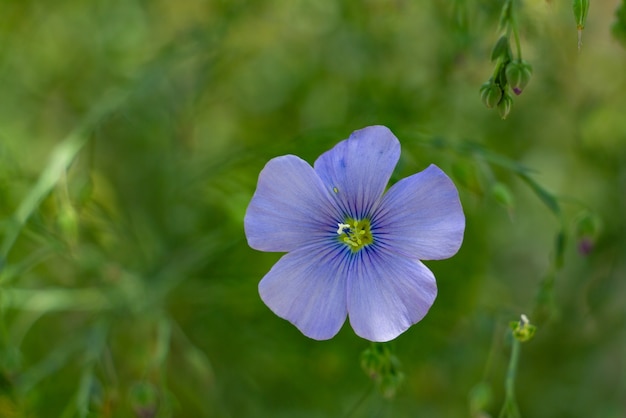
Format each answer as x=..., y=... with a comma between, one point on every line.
x=355, y=233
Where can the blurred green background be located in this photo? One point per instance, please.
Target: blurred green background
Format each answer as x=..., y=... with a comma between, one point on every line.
x=132, y=133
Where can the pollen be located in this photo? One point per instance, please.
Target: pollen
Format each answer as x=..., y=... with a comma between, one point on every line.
x=355, y=233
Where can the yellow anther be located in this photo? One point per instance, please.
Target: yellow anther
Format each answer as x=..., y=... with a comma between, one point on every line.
x=355, y=233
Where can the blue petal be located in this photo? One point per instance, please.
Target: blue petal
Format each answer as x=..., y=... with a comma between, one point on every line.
x=291, y=207
x=387, y=294
x=421, y=217
x=308, y=288
x=357, y=169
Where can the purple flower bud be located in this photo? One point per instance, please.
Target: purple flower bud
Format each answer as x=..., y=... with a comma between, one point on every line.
x=518, y=75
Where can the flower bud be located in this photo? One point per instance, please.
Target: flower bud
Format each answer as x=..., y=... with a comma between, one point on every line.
x=587, y=229
x=383, y=367
x=522, y=330
x=144, y=397
x=480, y=398
x=518, y=75
x=504, y=107
x=619, y=26
x=502, y=194
x=581, y=9
x=490, y=93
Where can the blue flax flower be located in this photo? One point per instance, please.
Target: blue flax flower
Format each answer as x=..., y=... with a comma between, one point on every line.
x=353, y=251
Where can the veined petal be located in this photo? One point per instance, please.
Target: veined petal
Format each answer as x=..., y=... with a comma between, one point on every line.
x=308, y=288
x=421, y=217
x=290, y=207
x=357, y=169
x=388, y=293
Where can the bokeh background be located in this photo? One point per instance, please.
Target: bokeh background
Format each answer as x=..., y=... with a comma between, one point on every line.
x=132, y=133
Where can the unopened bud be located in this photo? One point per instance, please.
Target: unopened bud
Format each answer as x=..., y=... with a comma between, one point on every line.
x=588, y=227
x=504, y=107
x=144, y=398
x=518, y=75
x=491, y=94
x=581, y=9
x=619, y=26
x=523, y=330
x=502, y=194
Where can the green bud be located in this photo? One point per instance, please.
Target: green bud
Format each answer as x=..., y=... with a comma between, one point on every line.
x=502, y=195
x=502, y=49
x=587, y=229
x=480, y=398
x=504, y=107
x=491, y=93
x=390, y=383
x=371, y=363
x=383, y=367
x=68, y=222
x=619, y=27
x=581, y=9
x=522, y=330
x=144, y=398
x=587, y=224
x=518, y=74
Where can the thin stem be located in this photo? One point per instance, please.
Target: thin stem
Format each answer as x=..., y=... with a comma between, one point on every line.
x=513, y=25
x=359, y=402
x=509, y=409
x=495, y=345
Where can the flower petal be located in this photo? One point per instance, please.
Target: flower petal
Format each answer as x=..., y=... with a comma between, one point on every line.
x=290, y=207
x=308, y=288
x=387, y=294
x=421, y=217
x=357, y=169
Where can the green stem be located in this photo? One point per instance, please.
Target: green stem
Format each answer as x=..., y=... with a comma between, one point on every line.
x=49, y=300
x=509, y=409
x=513, y=25
x=496, y=69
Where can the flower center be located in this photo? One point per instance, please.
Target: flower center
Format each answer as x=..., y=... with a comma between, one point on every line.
x=355, y=233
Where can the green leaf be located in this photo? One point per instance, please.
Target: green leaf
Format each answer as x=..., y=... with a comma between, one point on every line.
x=546, y=197
x=502, y=48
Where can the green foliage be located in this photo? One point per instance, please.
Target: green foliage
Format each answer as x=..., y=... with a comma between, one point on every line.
x=131, y=137
x=619, y=26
